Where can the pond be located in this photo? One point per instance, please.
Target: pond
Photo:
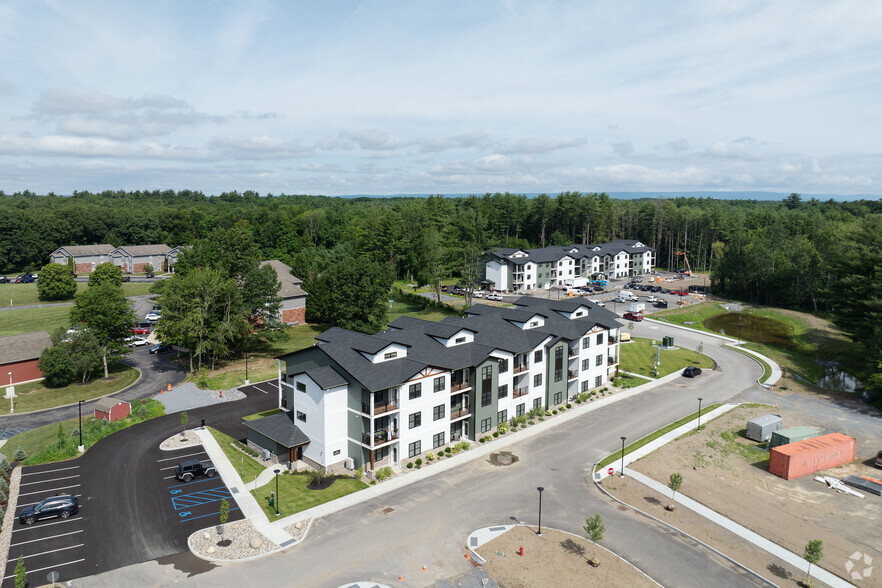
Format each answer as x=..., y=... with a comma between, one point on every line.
x=835, y=378
x=752, y=328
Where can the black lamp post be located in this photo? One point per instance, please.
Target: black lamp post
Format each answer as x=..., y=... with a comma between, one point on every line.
x=278, y=471
x=246, y=366
x=622, y=468
x=540, y=489
x=699, y=413
x=80, y=414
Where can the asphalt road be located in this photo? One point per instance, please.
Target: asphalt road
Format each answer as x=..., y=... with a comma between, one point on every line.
x=430, y=520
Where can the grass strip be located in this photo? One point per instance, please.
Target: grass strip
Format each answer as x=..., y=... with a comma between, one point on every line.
x=653, y=436
x=638, y=357
x=31, y=320
x=246, y=466
x=767, y=369
x=36, y=396
x=294, y=496
x=260, y=415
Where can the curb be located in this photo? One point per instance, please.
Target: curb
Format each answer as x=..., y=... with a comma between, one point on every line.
x=221, y=560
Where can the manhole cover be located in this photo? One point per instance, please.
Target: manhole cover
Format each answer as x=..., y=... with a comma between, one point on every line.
x=503, y=458
x=388, y=509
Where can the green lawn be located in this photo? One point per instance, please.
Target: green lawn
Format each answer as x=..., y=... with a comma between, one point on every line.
x=252, y=469
x=260, y=415
x=295, y=496
x=652, y=437
x=629, y=381
x=25, y=294
x=30, y=320
x=638, y=357
x=35, y=396
x=401, y=308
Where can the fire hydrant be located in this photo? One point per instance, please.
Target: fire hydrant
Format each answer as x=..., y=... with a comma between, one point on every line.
x=521, y=551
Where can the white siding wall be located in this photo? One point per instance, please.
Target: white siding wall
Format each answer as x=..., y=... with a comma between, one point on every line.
x=498, y=273
x=326, y=420
x=424, y=405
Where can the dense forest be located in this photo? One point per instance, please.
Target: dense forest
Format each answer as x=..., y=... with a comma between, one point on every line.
x=819, y=256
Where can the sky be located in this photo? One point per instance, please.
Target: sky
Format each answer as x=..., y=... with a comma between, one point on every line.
x=440, y=97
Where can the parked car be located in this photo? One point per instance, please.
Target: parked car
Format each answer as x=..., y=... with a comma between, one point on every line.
x=478, y=294
x=651, y=298
x=633, y=316
x=597, y=302
x=656, y=288
x=494, y=296
x=62, y=506
x=692, y=371
x=161, y=348
x=152, y=316
x=136, y=341
x=4, y=280
x=661, y=303
x=140, y=331
x=147, y=324
x=150, y=275
x=193, y=468
x=157, y=307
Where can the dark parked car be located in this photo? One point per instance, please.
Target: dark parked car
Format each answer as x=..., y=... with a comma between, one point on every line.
x=62, y=506
x=161, y=348
x=193, y=468
x=147, y=324
x=631, y=316
x=127, y=278
x=4, y=280
x=656, y=288
x=661, y=303
x=692, y=371
x=150, y=275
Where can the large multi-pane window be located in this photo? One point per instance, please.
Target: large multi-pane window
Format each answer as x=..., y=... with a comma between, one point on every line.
x=437, y=440
x=586, y=364
x=503, y=391
x=537, y=403
x=503, y=366
x=501, y=417
x=599, y=360
x=586, y=342
x=600, y=338
x=558, y=397
x=416, y=390
x=537, y=356
x=414, y=448
x=519, y=409
x=439, y=384
x=558, y=364
x=586, y=385
x=537, y=380
x=598, y=381
x=486, y=424
x=415, y=420
x=486, y=385
x=438, y=412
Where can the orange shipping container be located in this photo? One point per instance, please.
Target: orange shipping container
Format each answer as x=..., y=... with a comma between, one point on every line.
x=812, y=455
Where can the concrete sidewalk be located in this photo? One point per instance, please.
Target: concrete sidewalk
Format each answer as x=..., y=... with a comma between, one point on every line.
x=743, y=532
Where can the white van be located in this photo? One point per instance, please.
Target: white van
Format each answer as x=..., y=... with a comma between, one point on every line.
x=626, y=296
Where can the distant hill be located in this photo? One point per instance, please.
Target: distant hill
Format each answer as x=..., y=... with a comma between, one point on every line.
x=734, y=195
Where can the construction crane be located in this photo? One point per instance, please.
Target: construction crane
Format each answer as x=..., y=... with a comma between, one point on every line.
x=686, y=259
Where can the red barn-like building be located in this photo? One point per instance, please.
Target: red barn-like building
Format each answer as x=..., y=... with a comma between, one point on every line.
x=19, y=355
x=111, y=409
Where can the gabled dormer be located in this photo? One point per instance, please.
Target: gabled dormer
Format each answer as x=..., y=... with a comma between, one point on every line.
x=390, y=352
x=580, y=312
x=534, y=322
x=461, y=337
x=519, y=253
x=638, y=244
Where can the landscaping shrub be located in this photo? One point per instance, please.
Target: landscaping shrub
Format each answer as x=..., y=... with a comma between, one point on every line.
x=410, y=465
x=569, y=405
x=359, y=473
x=463, y=445
x=503, y=428
x=430, y=456
x=531, y=422
x=495, y=434
x=20, y=454
x=4, y=487
x=3, y=497
x=482, y=440
x=547, y=413
x=373, y=482
x=2, y=513
x=384, y=473
x=447, y=450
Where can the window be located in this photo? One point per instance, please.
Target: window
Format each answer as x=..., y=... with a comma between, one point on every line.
x=503, y=366
x=586, y=342
x=486, y=424
x=391, y=355
x=537, y=357
x=600, y=338
x=586, y=385
x=414, y=448
x=301, y=387
x=519, y=409
x=537, y=403
x=415, y=420
x=534, y=324
x=438, y=412
x=486, y=385
x=381, y=453
x=437, y=440
x=599, y=360
x=558, y=397
x=598, y=381
x=503, y=391
x=537, y=380
x=416, y=390
x=501, y=417
x=439, y=384
x=459, y=340
x=586, y=364
x=558, y=364
x=301, y=416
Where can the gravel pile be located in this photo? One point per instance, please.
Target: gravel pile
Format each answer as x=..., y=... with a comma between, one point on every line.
x=187, y=396
x=178, y=441
x=245, y=542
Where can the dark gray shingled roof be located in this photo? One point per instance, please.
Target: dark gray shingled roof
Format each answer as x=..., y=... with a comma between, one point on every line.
x=576, y=251
x=23, y=347
x=79, y=250
x=280, y=428
x=326, y=377
x=289, y=284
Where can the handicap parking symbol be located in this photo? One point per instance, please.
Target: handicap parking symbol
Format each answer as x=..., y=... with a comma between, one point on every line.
x=175, y=491
x=185, y=513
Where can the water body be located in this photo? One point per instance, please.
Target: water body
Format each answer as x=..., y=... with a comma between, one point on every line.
x=837, y=379
x=752, y=328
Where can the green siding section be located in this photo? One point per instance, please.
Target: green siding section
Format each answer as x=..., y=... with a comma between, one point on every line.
x=552, y=387
x=479, y=412
x=357, y=453
x=267, y=443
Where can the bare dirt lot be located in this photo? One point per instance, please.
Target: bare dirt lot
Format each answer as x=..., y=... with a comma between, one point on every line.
x=727, y=472
x=555, y=558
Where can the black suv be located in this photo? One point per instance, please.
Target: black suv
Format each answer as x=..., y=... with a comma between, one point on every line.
x=692, y=371
x=193, y=468
x=62, y=506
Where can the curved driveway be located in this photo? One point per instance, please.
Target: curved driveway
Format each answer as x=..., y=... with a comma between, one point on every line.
x=430, y=519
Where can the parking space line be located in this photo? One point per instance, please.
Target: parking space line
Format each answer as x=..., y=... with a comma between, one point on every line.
x=50, y=480
x=50, y=490
x=46, y=538
x=54, y=550
x=192, y=483
x=208, y=515
x=48, y=568
x=23, y=504
x=168, y=468
x=32, y=527
x=50, y=471
x=178, y=457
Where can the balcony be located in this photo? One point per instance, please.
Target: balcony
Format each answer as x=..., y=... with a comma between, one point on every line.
x=610, y=361
x=574, y=352
x=379, y=438
x=612, y=341
x=519, y=369
x=572, y=374
x=457, y=386
x=379, y=408
x=520, y=392
x=458, y=413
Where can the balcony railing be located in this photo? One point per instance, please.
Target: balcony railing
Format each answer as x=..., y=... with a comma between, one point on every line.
x=456, y=386
x=573, y=352
x=379, y=437
x=612, y=341
x=457, y=413
x=610, y=361
x=379, y=408
x=520, y=392
x=520, y=368
x=572, y=374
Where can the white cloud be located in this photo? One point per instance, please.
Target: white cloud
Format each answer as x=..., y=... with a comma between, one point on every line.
x=623, y=149
x=539, y=145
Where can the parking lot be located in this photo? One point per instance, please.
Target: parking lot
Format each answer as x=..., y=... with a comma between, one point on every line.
x=50, y=544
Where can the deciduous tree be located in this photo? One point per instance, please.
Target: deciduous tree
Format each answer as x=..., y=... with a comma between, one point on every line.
x=105, y=312
x=56, y=283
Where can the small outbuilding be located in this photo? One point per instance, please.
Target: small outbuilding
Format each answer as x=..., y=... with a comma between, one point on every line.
x=761, y=428
x=111, y=409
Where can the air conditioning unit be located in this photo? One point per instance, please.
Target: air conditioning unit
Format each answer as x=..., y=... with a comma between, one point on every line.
x=264, y=454
x=349, y=463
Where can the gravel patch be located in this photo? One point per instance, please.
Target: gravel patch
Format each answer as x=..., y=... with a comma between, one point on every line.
x=298, y=529
x=187, y=396
x=178, y=441
x=242, y=537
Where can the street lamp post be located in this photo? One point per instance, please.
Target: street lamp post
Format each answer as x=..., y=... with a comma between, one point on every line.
x=622, y=467
x=246, y=367
x=80, y=429
x=540, y=489
x=278, y=471
x=699, y=413
x=11, y=396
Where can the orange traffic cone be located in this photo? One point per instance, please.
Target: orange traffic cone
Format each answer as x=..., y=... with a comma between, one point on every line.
x=169, y=387
x=467, y=554
x=424, y=569
x=401, y=578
